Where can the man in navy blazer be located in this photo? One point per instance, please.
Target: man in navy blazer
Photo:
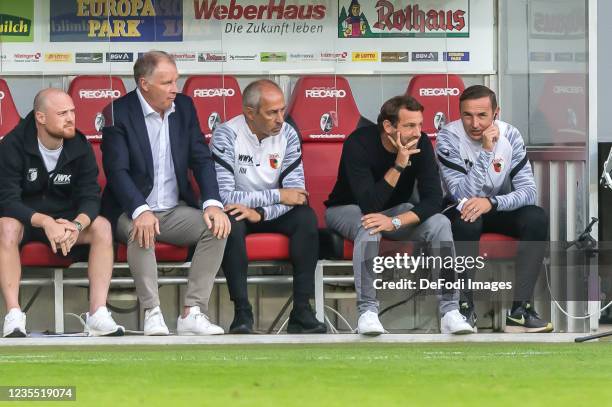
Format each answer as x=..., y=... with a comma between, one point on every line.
x=153, y=142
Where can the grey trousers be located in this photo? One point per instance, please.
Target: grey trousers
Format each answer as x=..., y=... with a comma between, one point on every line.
x=346, y=220
x=181, y=226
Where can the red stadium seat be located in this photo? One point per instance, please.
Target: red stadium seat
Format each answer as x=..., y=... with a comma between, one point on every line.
x=322, y=108
x=38, y=254
x=324, y=113
x=9, y=117
x=101, y=176
x=439, y=94
x=498, y=246
x=92, y=96
x=217, y=99
x=267, y=246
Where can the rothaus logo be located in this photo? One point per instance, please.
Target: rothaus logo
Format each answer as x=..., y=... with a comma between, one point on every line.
x=211, y=93
x=62, y=179
x=213, y=121
x=1, y=95
x=439, y=92
x=325, y=93
x=568, y=90
x=99, y=93
x=245, y=159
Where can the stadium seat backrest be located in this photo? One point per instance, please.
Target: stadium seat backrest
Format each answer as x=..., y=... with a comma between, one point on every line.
x=321, y=162
x=217, y=99
x=439, y=94
x=92, y=96
x=98, y=153
x=322, y=109
x=9, y=117
x=563, y=105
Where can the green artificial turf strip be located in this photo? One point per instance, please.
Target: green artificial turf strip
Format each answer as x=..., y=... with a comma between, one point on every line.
x=321, y=375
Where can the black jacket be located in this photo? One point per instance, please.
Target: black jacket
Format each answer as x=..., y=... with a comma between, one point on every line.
x=361, y=181
x=128, y=161
x=26, y=187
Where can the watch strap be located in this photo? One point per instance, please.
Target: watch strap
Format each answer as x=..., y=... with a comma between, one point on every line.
x=398, y=168
x=261, y=213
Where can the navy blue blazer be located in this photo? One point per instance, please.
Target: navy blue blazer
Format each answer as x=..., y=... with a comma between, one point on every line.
x=128, y=161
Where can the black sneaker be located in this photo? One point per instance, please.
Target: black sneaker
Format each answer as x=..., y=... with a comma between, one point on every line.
x=525, y=319
x=468, y=310
x=302, y=321
x=243, y=321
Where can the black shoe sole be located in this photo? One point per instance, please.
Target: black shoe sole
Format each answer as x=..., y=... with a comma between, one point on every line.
x=241, y=330
x=16, y=334
x=299, y=329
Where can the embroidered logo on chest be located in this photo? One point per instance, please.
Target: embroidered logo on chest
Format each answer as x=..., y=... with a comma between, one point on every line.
x=32, y=174
x=498, y=164
x=273, y=160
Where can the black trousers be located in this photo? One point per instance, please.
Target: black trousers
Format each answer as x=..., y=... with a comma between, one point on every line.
x=528, y=224
x=300, y=225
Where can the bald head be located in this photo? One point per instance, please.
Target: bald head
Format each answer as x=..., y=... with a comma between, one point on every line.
x=54, y=114
x=41, y=100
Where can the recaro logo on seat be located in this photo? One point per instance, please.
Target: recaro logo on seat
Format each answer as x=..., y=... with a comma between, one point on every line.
x=99, y=93
x=215, y=92
x=439, y=92
x=1, y=95
x=325, y=93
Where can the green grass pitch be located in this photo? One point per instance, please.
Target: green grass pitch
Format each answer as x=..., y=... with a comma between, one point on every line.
x=459, y=374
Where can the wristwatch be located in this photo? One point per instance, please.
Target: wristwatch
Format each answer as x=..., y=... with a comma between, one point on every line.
x=494, y=202
x=261, y=213
x=396, y=222
x=78, y=225
x=399, y=168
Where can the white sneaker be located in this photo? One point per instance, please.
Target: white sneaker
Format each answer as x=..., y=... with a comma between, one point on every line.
x=196, y=323
x=369, y=324
x=102, y=324
x=154, y=323
x=454, y=323
x=14, y=324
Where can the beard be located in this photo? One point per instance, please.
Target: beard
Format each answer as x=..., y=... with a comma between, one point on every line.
x=64, y=133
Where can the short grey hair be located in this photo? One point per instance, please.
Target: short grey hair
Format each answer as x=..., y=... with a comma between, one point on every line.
x=251, y=97
x=147, y=62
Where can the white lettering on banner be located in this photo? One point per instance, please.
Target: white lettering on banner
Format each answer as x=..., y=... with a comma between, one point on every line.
x=99, y=93
x=439, y=92
x=1, y=95
x=570, y=90
x=325, y=93
x=211, y=93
